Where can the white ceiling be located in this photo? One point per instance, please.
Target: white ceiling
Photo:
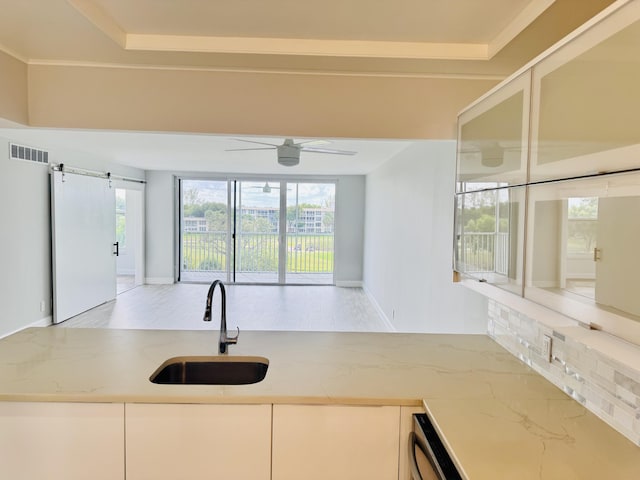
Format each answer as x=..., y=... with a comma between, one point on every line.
x=146, y=31
x=205, y=153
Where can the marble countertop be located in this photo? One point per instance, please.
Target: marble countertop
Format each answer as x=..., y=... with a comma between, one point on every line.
x=499, y=418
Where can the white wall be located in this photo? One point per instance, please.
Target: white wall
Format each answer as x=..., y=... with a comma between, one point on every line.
x=349, y=240
x=25, y=245
x=409, y=243
x=160, y=224
x=160, y=227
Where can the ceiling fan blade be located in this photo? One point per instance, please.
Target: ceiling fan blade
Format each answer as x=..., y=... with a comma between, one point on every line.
x=244, y=149
x=311, y=143
x=252, y=141
x=328, y=150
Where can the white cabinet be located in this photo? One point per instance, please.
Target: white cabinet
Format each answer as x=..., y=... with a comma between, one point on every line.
x=198, y=441
x=585, y=101
x=548, y=178
x=336, y=442
x=61, y=441
x=69, y=441
x=493, y=138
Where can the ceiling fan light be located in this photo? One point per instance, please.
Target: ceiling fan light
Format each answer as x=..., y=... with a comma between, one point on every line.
x=289, y=161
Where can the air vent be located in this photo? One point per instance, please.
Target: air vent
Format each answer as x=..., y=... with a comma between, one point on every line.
x=21, y=152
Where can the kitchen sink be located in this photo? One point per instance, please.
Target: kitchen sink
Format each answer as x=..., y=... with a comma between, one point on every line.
x=214, y=370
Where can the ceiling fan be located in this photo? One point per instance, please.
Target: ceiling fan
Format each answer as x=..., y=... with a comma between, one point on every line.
x=289, y=151
x=267, y=188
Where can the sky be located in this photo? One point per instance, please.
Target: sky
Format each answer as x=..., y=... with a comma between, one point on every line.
x=253, y=195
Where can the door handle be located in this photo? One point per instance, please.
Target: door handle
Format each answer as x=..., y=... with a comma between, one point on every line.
x=116, y=252
x=413, y=463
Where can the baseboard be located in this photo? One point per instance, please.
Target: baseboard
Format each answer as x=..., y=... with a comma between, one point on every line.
x=378, y=309
x=349, y=283
x=43, y=322
x=546, y=284
x=159, y=281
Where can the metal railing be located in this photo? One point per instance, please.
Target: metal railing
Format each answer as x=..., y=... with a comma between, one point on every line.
x=257, y=252
x=204, y=251
x=485, y=252
x=310, y=252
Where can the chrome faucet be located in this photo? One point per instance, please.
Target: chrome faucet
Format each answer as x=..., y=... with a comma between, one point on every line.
x=224, y=338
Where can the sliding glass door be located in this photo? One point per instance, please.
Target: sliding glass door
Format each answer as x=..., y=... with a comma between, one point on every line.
x=205, y=237
x=310, y=233
x=257, y=231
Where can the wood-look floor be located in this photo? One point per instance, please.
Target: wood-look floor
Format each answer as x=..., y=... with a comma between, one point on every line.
x=250, y=307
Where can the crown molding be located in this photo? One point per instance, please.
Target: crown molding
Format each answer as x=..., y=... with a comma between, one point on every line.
x=517, y=25
x=307, y=47
x=13, y=53
x=267, y=71
x=100, y=19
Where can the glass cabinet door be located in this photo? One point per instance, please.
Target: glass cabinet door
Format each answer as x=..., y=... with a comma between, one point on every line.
x=586, y=102
x=583, y=246
x=493, y=139
x=489, y=236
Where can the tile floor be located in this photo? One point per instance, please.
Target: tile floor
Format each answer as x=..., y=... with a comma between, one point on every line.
x=124, y=283
x=250, y=307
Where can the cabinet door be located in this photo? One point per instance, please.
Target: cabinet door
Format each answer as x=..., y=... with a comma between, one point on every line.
x=61, y=441
x=489, y=236
x=493, y=138
x=336, y=442
x=586, y=100
x=198, y=441
x=582, y=250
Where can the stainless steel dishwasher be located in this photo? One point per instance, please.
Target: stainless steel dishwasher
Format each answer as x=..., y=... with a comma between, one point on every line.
x=428, y=456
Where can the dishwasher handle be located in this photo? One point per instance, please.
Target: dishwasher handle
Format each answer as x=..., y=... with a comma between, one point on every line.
x=432, y=472
x=413, y=463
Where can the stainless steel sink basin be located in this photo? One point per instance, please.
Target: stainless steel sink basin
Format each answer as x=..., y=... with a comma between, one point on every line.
x=214, y=370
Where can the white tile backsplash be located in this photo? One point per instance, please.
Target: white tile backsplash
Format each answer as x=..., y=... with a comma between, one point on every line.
x=608, y=388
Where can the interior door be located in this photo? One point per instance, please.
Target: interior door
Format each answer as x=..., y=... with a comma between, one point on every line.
x=83, y=243
x=617, y=261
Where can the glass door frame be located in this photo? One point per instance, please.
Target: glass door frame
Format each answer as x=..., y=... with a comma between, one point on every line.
x=233, y=193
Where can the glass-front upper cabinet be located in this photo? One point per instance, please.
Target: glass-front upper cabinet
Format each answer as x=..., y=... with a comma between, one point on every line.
x=586, y=102
x=583, y=247
x=489, y=236
x=493, y=138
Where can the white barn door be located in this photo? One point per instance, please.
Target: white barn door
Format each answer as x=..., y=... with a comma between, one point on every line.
x=83, y=238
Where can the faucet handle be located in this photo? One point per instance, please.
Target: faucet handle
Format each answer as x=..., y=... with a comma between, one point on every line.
x=226, y=340
x=233, y=340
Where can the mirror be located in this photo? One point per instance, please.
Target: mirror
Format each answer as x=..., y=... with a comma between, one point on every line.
x=583, y=246
x=489, y=236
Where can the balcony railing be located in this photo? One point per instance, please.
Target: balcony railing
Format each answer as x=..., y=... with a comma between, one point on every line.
x=485, y=252
x=257, y=252
x=310, y=252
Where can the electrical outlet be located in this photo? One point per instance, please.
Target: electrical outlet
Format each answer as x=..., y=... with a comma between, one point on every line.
x=42, y=305
x=547, y=343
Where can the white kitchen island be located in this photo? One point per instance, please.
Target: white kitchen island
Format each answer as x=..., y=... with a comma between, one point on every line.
x=349, y=393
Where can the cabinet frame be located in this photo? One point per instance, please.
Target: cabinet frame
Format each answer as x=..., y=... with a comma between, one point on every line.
x=610, y=21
